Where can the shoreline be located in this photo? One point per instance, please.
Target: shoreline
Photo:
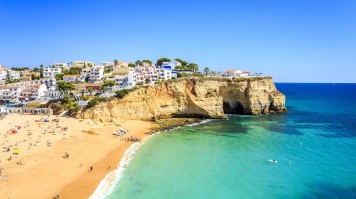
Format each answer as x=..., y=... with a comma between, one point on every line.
x=43, y=170
x=77, y=190
x=107, y=185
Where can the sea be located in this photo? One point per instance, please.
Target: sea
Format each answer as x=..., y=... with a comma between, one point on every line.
x=314, y=146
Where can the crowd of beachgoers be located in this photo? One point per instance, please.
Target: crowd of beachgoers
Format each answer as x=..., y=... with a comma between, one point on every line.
x=58, y=150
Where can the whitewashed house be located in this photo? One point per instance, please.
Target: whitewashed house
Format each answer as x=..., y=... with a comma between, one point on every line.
x=51, y=72
x=62, y=66
x=172, y=63
x=96, y=74
x=82, y=64
x=32, y=92
x=70, y=78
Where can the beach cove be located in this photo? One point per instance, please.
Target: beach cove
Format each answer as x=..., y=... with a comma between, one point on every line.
x=40, y=170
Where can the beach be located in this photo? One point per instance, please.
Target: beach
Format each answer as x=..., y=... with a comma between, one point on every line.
x=38, y=168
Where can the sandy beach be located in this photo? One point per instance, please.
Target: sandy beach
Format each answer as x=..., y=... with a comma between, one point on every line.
x=37, y=168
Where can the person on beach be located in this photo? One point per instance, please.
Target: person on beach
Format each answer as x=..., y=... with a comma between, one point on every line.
x=91, y=168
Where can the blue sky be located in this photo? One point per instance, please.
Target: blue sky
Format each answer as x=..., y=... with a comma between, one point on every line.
x=291, y=40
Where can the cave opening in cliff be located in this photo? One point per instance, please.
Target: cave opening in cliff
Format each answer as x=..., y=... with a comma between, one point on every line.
x=233, y=108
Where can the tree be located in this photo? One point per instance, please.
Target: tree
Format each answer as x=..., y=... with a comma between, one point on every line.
x=184, y=63
x=33, y=77
x=206, y=71
x=161, y=60
x=147, y=81
x=193, y=67
x=116, y=62
x=147, y=61
x=65, y=86
x=73, y=106
x=82, y=91
x=66, y=100
x=139, y=63
x=8, y=76
x=41, y=71
x=108, y=83
x=132, y=65
x=59, y=76
x=90, y=90
x=36, y=70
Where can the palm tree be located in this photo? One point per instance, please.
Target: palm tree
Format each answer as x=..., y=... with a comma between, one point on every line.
x=90, y=90
x=41, y=71
x=206, y=71
x=116, y=62
x=193, y=67
x=82, y=91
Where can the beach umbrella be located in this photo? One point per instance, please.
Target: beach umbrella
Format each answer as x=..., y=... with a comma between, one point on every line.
x=13, y=131
x=17, y=151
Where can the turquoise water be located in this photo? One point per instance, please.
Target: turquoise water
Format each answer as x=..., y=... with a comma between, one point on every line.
x=314, y=144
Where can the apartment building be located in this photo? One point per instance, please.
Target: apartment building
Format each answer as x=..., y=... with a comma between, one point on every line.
x=51, y=72
x=124, y=76
x=32, y=92
x=62, y=66
x=9, y=94
x=82, y=64
x=152, y=74
x=70, y=78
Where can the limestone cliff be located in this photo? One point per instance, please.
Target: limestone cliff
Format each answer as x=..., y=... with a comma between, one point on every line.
x=193, y=97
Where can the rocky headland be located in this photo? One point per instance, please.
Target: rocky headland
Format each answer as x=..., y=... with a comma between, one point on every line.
x=193, y=98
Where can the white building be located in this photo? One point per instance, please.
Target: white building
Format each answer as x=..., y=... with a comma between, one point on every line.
x=3, y=75
x=152, y=74
x=244, y=74
x=14, y=74
x=52, y=94
x=95, y=74
x=32, y=92
x=82, y=103
x=236, y=73
x=9, y=94
x=62, y=66
x=70, y=78
x=51, y=83
x=172, y=63
x=82, y=64
x=51, y=72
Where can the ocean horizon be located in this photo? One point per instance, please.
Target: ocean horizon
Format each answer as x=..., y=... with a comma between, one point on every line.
x=313, y=145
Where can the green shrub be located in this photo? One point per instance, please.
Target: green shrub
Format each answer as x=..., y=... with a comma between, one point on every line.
x=93, y=102
x=121, y=93
x=84, y=98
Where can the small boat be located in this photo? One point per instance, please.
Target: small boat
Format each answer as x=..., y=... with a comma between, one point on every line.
x=273, y=161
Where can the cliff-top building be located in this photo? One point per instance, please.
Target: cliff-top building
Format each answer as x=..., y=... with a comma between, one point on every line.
x=62, y=66
x=82, y=64
x=236, y=73
x=51, y=72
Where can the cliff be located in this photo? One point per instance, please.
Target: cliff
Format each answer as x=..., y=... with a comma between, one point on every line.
x=193, y=97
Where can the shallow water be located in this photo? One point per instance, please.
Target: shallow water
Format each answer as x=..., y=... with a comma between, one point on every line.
x=314, y=144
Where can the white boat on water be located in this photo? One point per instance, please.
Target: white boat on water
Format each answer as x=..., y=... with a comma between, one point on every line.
x=273, y=161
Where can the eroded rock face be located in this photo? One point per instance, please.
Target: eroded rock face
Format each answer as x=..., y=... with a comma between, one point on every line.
x=202, y=98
